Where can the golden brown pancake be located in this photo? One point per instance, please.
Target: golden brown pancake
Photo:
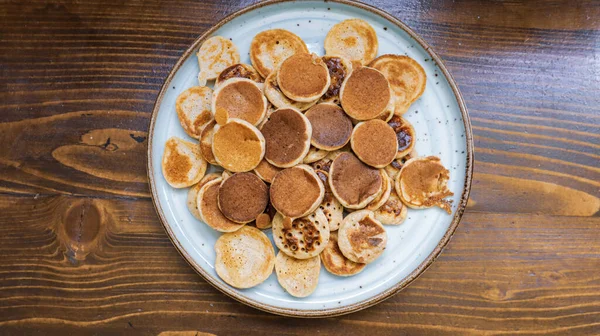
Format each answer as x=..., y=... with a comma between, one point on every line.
x=244, y=258
x=303, y=77
x=266, y=171
x=287, y=135
x=405, y=134
x=298, y=277
x=214, y=55
x=339, y=68
x=241, y=98
x=423, y=183
x=314, y=154
x=192, y=198
x=271, y=47
x=238, y=146
x=406, y=77
x=208, y=206
x=304, y=237
x=182, y=163
x=193, y=108
x=352, y=182
x=353, y=38
x=361, y=237
x=239, y=70
x=332, y=209
x=374, y=142
x=206, y=138
x=265, y=220
x=242, y=197
x=331, y=127
x=387, y=186
x=335, y=262
x=296, y=191
x=278, y=99
x=392, y=212
x=365, y=94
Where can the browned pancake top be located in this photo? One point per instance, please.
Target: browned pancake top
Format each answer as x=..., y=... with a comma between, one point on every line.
x=237, y=146
x=366, y=94
x=303, y=75
x=285, y=135
x=331, y=127
x=365, y=235
x=242, y=197
x=242, y=100
x=294, y=191
x=421, y=179
x=211, y=213
x=374, y=141
x=266, y=170
x=178, y=165
x=239, y=71
x=353, y=180
x=335, y=262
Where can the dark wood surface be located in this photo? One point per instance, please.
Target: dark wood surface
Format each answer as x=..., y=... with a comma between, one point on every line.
x=82, y=250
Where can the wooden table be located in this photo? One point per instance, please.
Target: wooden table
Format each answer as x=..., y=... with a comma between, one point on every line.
x=82, y=250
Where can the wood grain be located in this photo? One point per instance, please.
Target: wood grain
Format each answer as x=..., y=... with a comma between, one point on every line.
x=82, y=251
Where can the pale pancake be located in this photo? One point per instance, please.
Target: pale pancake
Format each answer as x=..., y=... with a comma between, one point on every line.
x=339, y=68
x=238, y=146
x=239, y=70
x=393, y=212
x=407, y=79
x=193, y=108
x=241, y=98
x=244, y=258
x=393, y=169
x=361, y=237
x=423, y=183
x=374, y=143
x=354, y=39
x=335, y=262
x=314, y=155
x=287, y=134
x=331, y=127
x=208, y=206
x=405, y=135
x=270, y=48
x=206, y=140
x=304, y=238
x=365, y=94
x=298, y=277
x=214, y=55
x=296, y=191
x=192, y=197
x=332, y=209
x=303, y=77
x=182, y=163
x=352, y=182
x=266, y=171
x=278, y=99
x=242, y=197
x=387, y=187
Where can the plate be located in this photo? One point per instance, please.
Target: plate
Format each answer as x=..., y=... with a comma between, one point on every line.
x=442, y=126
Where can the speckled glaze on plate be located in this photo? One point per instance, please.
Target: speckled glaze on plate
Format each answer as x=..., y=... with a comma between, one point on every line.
x=439, y=117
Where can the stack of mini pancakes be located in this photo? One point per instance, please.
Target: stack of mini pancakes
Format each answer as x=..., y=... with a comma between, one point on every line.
x=314, y=148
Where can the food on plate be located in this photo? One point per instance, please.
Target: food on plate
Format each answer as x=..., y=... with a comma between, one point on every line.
x=192, y=197
x=393, y=211
x=214, y=55
x=393, y=169
x=331, y=127
x=271, y=47
x=302, y=238
x=239, y=70
x=335, y=262
x=238, y=146
x=365, y=94
x=354, y=39
x=339, y=68
x=242, y=197
x=352, y=182
x=287, y=134
x=374, y=143
x=241, y=98
x=265, y=219
x=193, y=108
x=297, y=191
x=298, y=277
x=361, y=237
x=182, y=163
x=314, y=154
x=266, y=171
x=206, y=139
x=303, y=77
x=332, y=209
x=387, y=187
x=208, y=206
x=278, y=99
x=405, y=135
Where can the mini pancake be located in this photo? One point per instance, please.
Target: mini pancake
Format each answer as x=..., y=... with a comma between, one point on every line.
x=406, y=77
x=304, y=238
x=182, y=163
x=298, y=277
x=242, y=197
x=314, y=155
x=287, y=134
x=238, y=146
x=296, y=191
x=208, y=206
x=241, y=98
x=331, y=127
x=353, y=38
x=265, y=220
x=374, y=142
x=335, y=262
x=352, y=182
x=393, y=169
x=214, y=55
x=365, y=94
x=339, y=68
x=423, y=183
x=393, y=212
x=192, y=197
x=405, y=135
x=361, y=237
x=244, y=258
x=266, y=171
x=303, y=77
x=193, y=108
x=239, y=70
x=271, y=47
x=206, y=140
x=278, y=99
x=332, y=209
x=387, y=187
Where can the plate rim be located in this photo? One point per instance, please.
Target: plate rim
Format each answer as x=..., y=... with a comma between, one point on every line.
x=337, y=311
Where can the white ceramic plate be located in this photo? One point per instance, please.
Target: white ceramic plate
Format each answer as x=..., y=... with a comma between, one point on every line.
x=442, y=128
